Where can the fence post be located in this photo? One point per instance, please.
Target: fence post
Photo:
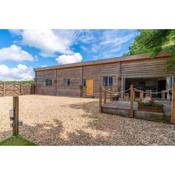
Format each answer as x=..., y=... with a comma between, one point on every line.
x=100, y=99
x=173, y=105
x=21, y=89
x=131, y=101
x=16, y=115
x=4, y=89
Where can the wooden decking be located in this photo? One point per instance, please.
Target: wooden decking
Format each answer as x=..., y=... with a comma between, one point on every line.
x=120, y=105
x=122, y=108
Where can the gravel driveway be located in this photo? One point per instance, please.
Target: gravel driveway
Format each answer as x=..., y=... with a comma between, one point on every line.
x=50, y=120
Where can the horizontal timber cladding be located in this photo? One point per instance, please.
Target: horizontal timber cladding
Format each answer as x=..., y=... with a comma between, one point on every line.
x=145, y=68
x=98, y=71
x=41, y=87
x=74, y=75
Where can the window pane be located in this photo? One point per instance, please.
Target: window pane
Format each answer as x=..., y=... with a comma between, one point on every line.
x=48, y=82
x=105, y=81
x=84, y=83
x=68, y=82
x=110, y=81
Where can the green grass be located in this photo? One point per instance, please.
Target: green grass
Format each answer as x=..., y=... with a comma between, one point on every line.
x=16, y=141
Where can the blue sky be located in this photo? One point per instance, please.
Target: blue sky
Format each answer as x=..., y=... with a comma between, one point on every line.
x=23, y=50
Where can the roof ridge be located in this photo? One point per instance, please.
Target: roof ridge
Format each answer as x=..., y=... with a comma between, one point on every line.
x=103, y=61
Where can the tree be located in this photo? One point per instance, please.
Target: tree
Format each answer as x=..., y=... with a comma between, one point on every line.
x=154, y=42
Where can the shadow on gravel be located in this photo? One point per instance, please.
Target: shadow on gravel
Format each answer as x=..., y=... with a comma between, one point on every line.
x=50, y=135
x=127, y=131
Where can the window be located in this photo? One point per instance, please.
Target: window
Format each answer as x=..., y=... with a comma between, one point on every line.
x=48, y=82
x=67, y=82
x=107, y=81
x=84, y=83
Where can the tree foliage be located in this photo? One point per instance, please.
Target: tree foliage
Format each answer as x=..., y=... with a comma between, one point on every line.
x=154, y=42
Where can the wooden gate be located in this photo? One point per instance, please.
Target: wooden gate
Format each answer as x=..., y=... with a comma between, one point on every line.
x=14, y=89
x=2, y=89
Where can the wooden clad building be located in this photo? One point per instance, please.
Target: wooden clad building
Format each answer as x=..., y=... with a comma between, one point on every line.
x=84, y=79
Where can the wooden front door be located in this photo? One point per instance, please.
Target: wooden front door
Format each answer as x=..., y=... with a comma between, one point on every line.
x=89, y=87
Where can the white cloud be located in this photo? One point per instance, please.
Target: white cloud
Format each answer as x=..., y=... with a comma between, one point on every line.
x=116, y=40
x=20, y=72
x=71, y=58
x=111, y=43
x=98, y=43
x=48, y=41
x=14, y=53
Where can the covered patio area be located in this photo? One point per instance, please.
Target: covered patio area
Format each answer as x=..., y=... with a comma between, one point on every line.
x=156, y=87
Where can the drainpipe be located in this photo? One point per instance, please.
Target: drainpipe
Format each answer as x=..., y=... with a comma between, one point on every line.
x=81, y=86
x=121, y=80
x=35, y=83
x=56, y=83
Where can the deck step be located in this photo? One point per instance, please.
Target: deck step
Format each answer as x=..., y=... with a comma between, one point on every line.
x=115, y=111
x=145, y=115
x=153, y=116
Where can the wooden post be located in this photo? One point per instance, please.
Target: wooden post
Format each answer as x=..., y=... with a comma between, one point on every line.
x=173, y=105
x=100, y=99
x=131, y=101
x=110, y=93
x=16, y=115
x=21, y=89
x=122, y=87
x=141, y=96
x=4, y=89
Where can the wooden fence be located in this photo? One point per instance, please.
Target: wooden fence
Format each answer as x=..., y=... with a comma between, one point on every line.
x=13, y=89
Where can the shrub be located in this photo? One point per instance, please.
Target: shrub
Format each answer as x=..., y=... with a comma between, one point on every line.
x=152, y=103
x=148, y=103
x=157, y=104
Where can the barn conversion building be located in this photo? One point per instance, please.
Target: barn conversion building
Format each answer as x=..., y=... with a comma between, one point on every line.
x=84, y=79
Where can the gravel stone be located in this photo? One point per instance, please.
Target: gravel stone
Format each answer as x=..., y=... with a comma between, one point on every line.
x=55, y=120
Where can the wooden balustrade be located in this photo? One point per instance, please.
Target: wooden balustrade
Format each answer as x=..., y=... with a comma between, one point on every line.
x=132, y=96
x=173, y=105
